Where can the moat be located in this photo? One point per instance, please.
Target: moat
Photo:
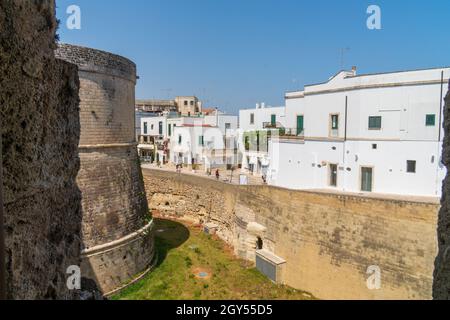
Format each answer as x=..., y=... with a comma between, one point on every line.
x=193, y=265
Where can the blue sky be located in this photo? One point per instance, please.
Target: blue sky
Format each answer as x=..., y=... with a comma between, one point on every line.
x=235, y=53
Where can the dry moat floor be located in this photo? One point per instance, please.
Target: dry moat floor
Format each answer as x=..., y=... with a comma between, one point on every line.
x=193, y=265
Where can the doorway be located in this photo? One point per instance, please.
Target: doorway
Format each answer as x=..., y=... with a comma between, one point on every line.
x=366, y=179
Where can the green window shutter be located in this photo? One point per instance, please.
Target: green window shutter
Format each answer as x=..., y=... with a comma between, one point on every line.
x=273, y=119
x=200, y=140
x=430, y=120
x=300, y=125
x=170, y=130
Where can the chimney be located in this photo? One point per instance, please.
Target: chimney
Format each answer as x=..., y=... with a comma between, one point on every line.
x=257, y=106
x=263, y=105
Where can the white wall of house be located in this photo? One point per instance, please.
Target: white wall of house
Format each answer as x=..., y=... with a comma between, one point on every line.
x=403, y=100
x=203, y=140
x=307, y=166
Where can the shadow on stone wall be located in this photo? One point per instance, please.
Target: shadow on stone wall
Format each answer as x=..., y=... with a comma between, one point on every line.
x=441, y=284
x=40, y=130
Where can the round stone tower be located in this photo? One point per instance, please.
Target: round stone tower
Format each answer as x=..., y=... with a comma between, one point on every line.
x=117, y=229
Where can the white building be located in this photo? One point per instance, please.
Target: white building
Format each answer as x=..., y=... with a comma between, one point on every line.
x=207, y=141
x=256, y=124
x=377, y=133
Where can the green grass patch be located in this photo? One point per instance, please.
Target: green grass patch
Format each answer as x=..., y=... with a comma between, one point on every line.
x=183, y=252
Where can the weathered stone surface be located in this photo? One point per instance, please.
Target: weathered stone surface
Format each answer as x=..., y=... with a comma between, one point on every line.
x=40, y=131
x=328, y=240
x=113, y=198
x=441, y=286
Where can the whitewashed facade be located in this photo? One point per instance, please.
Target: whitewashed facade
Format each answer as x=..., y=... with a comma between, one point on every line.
x=378, y=133
x=255, y=159
x=207, y=141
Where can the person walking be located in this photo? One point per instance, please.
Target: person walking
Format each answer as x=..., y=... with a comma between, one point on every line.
x=217, y=174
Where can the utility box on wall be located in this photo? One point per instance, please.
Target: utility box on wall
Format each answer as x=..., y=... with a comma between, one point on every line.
x=270, y=265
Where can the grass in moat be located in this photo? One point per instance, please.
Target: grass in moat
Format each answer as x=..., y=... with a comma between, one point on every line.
x=195, y=266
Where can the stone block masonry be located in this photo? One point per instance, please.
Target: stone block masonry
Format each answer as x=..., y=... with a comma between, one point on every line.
x=117, y=233
x=40, y=131
x=441, y=287
x=328, y=240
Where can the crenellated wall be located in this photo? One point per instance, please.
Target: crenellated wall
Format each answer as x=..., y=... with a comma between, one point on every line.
x=328, y=240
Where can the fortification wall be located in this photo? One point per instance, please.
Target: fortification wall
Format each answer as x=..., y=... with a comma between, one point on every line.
x=441, y=286
x=113, y=196
x=40, y=132
x=328, y=240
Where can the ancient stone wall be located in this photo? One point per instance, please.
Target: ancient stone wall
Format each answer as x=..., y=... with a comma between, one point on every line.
x=40, y=131
x=441, y=286
x=113, y=196
x=328, y=240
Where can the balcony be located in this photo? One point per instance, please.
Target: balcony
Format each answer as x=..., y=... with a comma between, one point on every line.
x=288, y=133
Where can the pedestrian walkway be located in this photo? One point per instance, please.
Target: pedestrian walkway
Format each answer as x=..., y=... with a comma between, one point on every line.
x=225, y=175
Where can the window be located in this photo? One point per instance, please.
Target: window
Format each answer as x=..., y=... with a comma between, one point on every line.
x=227, y=126
x=170, y=130
x=201, y=141
x=334, y=122
x=273, y=119
x=333, y=175
x=252, y=118
x=411, y=166
x=374, y=123
x=185, y=102
x=300, y=128
x=179, y=139
x=192, y=103
x=160, y=128
x=430, y=120
x=366, y=179
x=151, y=127
x=374, y=146
x=145, y=128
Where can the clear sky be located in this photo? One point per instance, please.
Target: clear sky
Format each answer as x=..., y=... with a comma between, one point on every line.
x=235, y=53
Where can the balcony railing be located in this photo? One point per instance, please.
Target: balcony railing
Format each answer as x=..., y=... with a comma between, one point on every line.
x=292, y=132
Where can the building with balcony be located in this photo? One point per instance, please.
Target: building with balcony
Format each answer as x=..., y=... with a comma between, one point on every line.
x=379, y=133
x=204, y=141
x=257, y=126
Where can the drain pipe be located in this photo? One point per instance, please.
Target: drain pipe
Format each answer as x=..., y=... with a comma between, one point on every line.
x=2, y=230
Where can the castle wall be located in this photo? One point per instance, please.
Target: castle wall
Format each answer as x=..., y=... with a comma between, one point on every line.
x=113, y=196
x=328, y=240
x=40, y=131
